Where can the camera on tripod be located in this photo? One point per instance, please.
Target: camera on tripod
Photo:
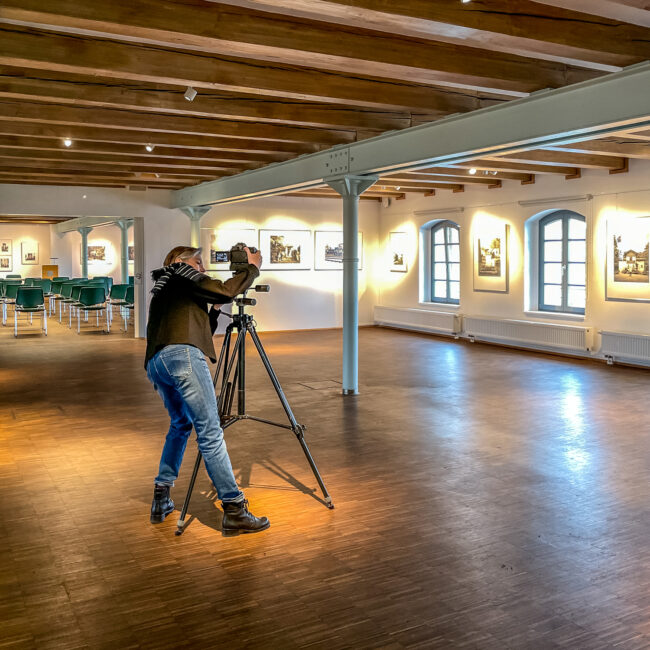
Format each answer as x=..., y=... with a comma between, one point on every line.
x=237, y=256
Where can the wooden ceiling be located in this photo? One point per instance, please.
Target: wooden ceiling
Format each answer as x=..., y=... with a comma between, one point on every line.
x=280, y=78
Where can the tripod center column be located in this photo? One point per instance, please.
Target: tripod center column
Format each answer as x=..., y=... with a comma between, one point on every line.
x=350, y=188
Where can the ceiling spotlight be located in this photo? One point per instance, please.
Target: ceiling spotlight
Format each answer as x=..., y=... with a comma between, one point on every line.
x=190, y=94
x=149, y=147
x=85, y=196
x=398, y=187
x=472, y=171
x=465, y=1
x=494, y=173
x=67, y=142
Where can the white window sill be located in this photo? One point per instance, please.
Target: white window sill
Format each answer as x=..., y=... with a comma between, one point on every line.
x=440, y=305
x=576, y=318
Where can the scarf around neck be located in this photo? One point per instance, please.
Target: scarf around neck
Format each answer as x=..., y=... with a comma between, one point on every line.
x=162, y=275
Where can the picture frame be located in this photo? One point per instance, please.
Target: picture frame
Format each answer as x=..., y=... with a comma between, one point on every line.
x=397, y=243
x=490, y=265
x=6, y=247
x=96, y=253
x=131, y=254
x=328, y=250
x=224, y=239
x=6, y=263
x=627, y=267
x=286, y=250
x=29, y=252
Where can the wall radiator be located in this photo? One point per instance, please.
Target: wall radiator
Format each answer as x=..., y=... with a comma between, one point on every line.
x=628, y=347
x=418, y=319
x=545, y=335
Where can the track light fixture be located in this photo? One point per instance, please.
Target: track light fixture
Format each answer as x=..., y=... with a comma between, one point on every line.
x=67, y=142
x=190, y=94
x=149, y=147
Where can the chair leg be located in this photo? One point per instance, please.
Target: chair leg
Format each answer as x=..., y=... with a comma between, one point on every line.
x=45, y=320
x=108, y=322
x=15, y=324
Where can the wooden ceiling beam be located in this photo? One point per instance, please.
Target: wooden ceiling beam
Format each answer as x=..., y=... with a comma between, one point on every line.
x=518, y=26
x=73, y=166
x=136, y=63
x=429, y=179
x=95, y=184
x=173, y=177
x=414, y=186
x=530, y=168
x=93, y=92
x=546, y=157
x=106, y=148
x=271, y=150
x=434, y=172
x=110, y=118
x=323, y=195
x=70, y=155
x=81, y=180
x=225, y=31
x=629, y=148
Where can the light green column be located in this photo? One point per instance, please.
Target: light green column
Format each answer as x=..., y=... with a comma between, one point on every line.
x=84, y=250
x=350, y=188
x=124, y=225
x=195, y=215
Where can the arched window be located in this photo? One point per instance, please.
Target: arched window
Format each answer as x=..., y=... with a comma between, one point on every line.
x=562, y=262
x=445, y=262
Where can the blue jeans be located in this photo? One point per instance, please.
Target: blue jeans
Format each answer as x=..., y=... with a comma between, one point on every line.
x=181, y=376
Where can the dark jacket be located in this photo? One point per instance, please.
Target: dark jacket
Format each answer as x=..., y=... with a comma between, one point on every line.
x=179, y=313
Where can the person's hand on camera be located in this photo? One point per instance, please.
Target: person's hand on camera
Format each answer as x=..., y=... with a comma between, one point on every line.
x=254, y=258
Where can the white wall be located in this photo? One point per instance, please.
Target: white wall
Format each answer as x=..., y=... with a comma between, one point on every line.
x=298, y=299
x=301, y=299
x=615, y=194
x=28, y=234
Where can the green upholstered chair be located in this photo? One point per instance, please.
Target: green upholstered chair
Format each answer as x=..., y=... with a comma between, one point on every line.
x=13, y=276
x=60, y=278
x=128, y=306
x=30, y=301
x=28, y=282
x=9, y=298
x=131, y=280
x=116, y=298
x=92, y=298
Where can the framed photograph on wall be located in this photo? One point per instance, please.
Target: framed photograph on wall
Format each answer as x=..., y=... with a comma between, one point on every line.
x=285, y=250
x=5, y=247
x=491, y=258
x=627, y=274
x=131, y=255
x=397, y=243
x=213, y=240
x=29, y=252
x=96, y=253
x=328, y=250
x=6, y=264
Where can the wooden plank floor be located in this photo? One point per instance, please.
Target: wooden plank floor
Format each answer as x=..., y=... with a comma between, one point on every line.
x=485, y=498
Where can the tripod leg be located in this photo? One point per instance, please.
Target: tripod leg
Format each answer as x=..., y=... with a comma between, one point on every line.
x=298, y=429
x=181, y=522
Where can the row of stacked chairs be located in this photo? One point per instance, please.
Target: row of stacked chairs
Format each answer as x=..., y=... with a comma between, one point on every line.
x=75, y=296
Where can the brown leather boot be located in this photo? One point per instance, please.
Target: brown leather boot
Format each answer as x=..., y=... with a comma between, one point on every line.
x=237, y=519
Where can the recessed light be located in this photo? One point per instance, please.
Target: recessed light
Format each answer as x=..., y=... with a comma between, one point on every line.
x=67, y=142
x=472, y=171
x=149, y=147
x=190, y=94
x=85, y=196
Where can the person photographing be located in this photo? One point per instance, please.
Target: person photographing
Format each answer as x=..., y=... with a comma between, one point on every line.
x=179, y=337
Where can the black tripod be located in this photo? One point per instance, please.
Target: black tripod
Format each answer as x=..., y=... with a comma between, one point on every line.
x=232, y=369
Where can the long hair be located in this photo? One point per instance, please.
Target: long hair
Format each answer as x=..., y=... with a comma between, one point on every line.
x=184, y=252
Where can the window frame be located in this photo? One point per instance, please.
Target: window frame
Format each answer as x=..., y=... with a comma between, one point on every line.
x=444, y=225
x=564, y=216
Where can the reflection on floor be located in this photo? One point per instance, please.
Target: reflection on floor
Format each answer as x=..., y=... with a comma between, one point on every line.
x=485, y=498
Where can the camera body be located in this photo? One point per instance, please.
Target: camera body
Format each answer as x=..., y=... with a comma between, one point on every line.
x=237, y=256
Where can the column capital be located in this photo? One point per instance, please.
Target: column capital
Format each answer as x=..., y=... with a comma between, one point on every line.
x=84, y=230
x=123, y=224
x=195, y=213
x=350, y=185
